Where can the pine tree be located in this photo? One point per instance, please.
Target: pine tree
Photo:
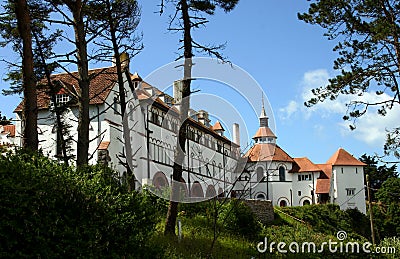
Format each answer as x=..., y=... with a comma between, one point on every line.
x=369, y=56
x=190, y=17
x=16, y=28
x=377, y=174
x=118, y=21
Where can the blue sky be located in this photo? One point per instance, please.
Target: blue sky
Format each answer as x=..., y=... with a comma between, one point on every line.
x=287, y=58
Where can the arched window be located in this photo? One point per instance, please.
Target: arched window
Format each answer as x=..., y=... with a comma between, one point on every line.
x=260, y=174
x=282, y=203
x=131, y=112
x=214, y=165
x=306, y=202
x=160, y=180
x=210, y=192
x=260, y=196
x=221, y=193
x=281, y=174
x=197, y=190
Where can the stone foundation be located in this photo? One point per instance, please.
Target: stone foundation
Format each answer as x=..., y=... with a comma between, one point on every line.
x=263, y=209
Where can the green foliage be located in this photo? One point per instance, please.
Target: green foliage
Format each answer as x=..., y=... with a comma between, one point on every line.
x=4, y=120
x=191, y=210
x=390, y=191
x=329, y=219
x=387, y=211
x=386, y=220
x=377, y=174
x=391, y=242
x=238, y=218
x=197, y=237
x=232, y=216
x=50, y=210
x=43, y=40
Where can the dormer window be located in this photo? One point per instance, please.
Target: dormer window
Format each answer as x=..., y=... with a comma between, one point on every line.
x=62, y=98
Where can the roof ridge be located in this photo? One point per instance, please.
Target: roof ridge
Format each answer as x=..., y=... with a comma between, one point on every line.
x=342, y=157
x=70, y=72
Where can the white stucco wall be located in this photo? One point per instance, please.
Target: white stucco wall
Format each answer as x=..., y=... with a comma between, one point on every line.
x=349, y=177
x=305, y=187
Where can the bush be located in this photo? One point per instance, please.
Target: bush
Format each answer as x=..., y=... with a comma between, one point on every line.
x=329, y=219
x=238, y=218
x=387, y=211
x=50, y=210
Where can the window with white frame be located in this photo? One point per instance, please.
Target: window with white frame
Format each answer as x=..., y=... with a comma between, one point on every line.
x=62, y=98
x=304, y=177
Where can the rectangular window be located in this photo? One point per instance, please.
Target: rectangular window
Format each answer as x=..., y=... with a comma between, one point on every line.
x=62, y=98
x=58, y=145
x=350, y=191
x=115, y=108
x=219, y=147
x=304, y=177
x=191, y=134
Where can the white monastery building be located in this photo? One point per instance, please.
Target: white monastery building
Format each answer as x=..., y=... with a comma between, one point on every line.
x=153, y=122
x=274, y=175
x=210, y=166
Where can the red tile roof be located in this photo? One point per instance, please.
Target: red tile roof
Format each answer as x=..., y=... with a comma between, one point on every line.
x=264, y=132
x=342, y=157
x=100, y=86
x=104, y=145
x=218, y=126
x=10, y=129
x=323, y=186
x=326, y=171
x=136, y=77
x=142, y=94
x=304, y=164
x=267, y=152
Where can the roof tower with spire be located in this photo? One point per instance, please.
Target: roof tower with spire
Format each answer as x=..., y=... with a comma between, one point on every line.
x=264, y=134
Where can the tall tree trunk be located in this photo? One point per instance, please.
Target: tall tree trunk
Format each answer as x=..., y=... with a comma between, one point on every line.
x=179, y=154
x=58, y=110
x=30, y=133
x=121, y=92
x=84, y=82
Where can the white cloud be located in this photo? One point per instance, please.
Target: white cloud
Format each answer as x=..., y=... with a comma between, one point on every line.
x=287, y=111
x=371, y=127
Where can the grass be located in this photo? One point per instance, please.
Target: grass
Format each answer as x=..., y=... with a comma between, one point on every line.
x=196, y=241
x=197, y=237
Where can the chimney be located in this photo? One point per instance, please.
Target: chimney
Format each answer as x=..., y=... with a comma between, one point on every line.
x=202, y=117
x=123, y=58
x=236, y=134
